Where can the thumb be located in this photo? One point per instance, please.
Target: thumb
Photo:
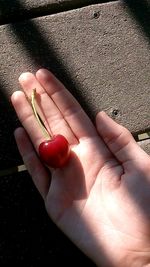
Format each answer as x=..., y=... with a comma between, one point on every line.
x=118, y=139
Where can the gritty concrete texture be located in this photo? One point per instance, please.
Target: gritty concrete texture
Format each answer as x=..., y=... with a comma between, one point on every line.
x=99, y=52
x=145, y=144
x=107, y=58
x=12, y=10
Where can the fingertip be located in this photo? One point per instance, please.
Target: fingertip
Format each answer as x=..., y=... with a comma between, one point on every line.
x=42, y=71
x=24, y=77
x=44, y=76
x=101, y=115
x=106, y=125
x=23, y=142
x=21, y=138
x=16, y=96
x=19, y=132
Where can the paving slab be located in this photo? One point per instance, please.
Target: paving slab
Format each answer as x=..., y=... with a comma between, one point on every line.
x=99, y=52
x=13, y=10
x=145, y=145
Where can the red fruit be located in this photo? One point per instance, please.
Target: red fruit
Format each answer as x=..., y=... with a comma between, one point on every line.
x=54, y=152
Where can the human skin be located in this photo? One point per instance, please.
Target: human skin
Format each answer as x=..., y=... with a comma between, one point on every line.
x=101, y=198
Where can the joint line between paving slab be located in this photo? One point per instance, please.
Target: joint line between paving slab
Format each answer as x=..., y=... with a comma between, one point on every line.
x=23, y=13
x=13, y=170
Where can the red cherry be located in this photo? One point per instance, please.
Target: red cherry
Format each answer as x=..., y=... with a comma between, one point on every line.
x=55, y=152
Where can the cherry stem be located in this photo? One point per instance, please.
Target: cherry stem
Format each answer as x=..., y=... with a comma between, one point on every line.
x=44, y=130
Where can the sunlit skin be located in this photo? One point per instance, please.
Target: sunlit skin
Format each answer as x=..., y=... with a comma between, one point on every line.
x=101, y=198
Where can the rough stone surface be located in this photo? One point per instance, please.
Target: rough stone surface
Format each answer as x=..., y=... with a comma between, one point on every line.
x=104, y=58
x=12, y=10
x=100, y=53
x=145, y=144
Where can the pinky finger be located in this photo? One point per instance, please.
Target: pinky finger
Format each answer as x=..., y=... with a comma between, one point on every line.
x=39, y=174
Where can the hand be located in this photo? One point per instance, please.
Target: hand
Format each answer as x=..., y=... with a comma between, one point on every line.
x=101, y=198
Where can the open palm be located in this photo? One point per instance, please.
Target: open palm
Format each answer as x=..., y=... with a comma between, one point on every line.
x=100, y=199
